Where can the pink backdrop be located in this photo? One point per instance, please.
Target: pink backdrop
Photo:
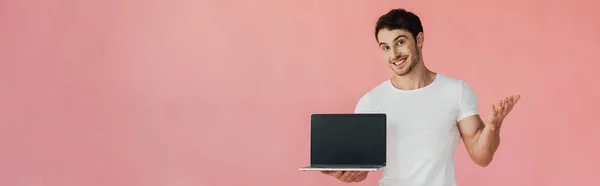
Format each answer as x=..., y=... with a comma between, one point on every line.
x=219, y=93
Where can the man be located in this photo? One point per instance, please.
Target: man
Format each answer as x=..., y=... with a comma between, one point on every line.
x=427, y=112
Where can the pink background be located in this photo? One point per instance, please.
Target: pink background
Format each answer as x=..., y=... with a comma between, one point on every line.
x=202, y=93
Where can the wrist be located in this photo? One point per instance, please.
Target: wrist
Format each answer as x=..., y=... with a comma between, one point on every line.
x=493, y=128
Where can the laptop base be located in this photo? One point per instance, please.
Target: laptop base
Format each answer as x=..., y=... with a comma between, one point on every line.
x=341, y=168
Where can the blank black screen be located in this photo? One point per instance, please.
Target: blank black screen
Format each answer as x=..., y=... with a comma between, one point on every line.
x=344, y=139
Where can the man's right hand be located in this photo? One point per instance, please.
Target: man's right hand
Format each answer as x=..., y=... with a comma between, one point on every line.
x=347, y=176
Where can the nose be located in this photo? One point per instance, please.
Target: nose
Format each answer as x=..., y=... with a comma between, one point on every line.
x=395, y=53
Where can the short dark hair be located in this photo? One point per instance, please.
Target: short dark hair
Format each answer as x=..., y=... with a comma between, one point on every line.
x=399, y=19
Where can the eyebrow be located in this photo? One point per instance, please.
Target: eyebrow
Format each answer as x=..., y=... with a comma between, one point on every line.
x=397, y=37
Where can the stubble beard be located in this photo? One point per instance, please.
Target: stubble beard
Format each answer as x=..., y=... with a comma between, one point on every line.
x=414, y=60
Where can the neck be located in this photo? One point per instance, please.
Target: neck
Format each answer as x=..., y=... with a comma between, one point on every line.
x=419, y=77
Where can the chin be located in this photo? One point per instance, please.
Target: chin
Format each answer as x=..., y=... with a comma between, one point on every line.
x=402, y=71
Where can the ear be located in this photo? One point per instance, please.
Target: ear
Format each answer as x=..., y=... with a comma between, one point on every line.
x=420, y=39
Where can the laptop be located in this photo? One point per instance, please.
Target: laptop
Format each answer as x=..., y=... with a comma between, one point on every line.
x=347, y=142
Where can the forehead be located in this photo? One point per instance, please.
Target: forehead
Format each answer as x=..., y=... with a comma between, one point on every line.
x=387, y=36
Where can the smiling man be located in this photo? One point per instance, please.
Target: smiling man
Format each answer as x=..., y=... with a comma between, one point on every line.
x=428, y=112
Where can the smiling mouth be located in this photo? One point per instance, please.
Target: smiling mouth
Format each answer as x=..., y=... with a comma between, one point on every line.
x=399, y=62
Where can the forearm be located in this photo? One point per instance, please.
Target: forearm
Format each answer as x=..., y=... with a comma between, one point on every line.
x=486, y=145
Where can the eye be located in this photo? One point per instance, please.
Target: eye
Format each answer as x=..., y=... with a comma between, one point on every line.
x=385, y=47
x=400, y=42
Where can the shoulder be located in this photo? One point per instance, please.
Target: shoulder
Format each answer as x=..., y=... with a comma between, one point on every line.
x=453, y=89
x=372, y=97
x=449, y=80
x=378, y=91
x=452, y=83
x=460, y=91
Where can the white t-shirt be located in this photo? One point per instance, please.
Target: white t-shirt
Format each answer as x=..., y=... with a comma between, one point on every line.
x=422, y=129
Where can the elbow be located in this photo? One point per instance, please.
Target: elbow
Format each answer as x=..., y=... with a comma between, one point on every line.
x=483, y=162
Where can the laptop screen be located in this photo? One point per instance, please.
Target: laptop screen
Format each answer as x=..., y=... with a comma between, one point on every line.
x=348, y=139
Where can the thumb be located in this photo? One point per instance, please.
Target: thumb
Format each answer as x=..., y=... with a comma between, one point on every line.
x=492, y=113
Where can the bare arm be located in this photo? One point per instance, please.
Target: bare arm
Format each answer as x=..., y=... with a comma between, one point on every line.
x=481, y=139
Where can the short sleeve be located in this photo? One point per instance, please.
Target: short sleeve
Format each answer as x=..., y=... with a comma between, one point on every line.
x=363, y=105
x=467, y=104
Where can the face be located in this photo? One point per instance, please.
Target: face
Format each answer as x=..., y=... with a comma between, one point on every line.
x=400, y=49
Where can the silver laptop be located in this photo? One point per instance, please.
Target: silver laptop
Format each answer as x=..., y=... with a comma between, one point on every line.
x=347, y=142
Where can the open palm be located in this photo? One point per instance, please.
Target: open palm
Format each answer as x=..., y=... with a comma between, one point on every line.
x=501, y=110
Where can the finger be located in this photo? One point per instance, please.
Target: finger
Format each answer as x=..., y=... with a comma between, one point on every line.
x=499, y=108
x=341, y=174
x=345, y=177
x=361, y=174
x=505, y=107
x=492, y=113
x=337, y=174
x=354, y=174
x=516, y=99
x=513, y=101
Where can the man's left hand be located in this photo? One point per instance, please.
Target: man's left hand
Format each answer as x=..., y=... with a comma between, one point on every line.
x=500, y=111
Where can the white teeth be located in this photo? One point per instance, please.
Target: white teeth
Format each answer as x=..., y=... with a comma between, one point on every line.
x=399, y=62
